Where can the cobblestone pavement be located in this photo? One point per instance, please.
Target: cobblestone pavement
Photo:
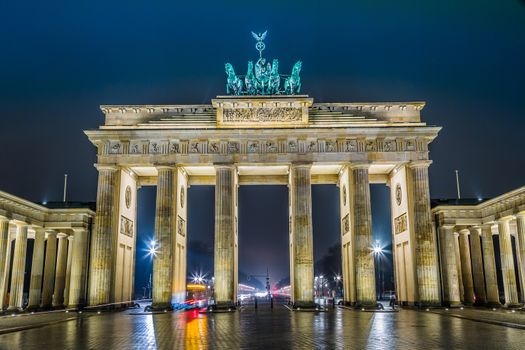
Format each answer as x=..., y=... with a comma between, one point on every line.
x=266, y=329
x=503, y=316
x=9, y=322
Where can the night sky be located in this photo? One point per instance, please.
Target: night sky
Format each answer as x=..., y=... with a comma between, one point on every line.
x=59, y=61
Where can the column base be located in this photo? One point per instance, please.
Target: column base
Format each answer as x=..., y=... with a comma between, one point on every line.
x=453, y=304
x=32, y=308
x=160, y=307
x=493, y=304
x=513, y=306
x=429, y=304
x=224, y=305
x=305, y=305
x=14, y=309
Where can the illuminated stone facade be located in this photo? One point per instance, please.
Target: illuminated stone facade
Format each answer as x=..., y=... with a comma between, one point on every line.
x=471, y=277
x=236, y=141
x=60, y=253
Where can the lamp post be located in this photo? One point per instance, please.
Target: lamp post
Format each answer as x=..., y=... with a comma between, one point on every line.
x=337, y=280
x=378, y=252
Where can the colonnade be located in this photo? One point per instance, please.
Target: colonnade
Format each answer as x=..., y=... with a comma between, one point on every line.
x=58, y=266
x=469, y=263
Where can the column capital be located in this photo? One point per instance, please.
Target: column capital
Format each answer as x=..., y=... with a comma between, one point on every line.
x=476, y=229
x=19, y=223
x=78, y=229
x=50, y=233
x=419, y=163
x=521, y=215
x=505, y=219
x=464, y=231
x=359, y=165
x=165, y=166
x=109, y=167
x=39, y=230
x=224, y=166
x=301, y=165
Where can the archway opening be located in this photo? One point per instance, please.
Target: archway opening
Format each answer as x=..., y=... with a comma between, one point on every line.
x=382, y=241
x=146, y=202
x=263, y=249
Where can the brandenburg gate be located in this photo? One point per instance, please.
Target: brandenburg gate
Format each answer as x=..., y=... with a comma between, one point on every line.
x=276, y=139
x=263, y=132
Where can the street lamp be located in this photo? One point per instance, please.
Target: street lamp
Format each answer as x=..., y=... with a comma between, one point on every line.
x=337, y=280
x=377, y=250
x=152, y=249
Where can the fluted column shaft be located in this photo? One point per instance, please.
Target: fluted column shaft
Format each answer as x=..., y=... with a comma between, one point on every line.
x=164, y=225
x=77, y=266
x=19, y=264
x=35, y=286
x=425, y=242
x=489, y=264
x=361, y=219
x=480, y=295
x=224, y=269
x=450, y=270
x=458, y=267
x=68, y=269
x=60, y=274
x=302, y=235
x=507, y=263
x=466, y=267
x=49, y=269
x=5, y=244
x=520, y=223
x=101, y=260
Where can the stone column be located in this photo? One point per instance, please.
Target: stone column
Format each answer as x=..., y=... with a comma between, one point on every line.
x=5, y=252
x=450, y=270
x=101, y=260
x=79, y=249
x=507, y=263
x=49, y=269
x=60, y=274
x=68, y=269
x=466, y=267
x=224, y=269
x=489, y=264
x=480, y=295
x=361, y=221
x=35, y=286
x=19, y=265
x=520, y=235
x=164, y=234
x=458, y=267
x=425, y=242
x=302, y=235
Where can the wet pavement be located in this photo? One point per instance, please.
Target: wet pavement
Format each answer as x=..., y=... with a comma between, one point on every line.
x=267, y=329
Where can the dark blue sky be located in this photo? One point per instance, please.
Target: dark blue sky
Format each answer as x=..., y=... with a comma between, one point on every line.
x=60, y=60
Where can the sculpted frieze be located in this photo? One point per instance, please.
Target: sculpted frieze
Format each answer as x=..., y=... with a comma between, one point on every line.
x=350, y=146
x=233, y=147
x=203, y=146
x=174, y=147
x=253, y=146
x=115, y=147
x=292, y=146
x=282, y=114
